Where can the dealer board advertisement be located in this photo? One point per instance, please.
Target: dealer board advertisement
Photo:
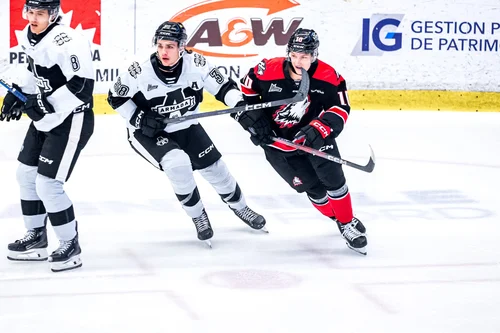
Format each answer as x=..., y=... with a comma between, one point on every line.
x=375, y=45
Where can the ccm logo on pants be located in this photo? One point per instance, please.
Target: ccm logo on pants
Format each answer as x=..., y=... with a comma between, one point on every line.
x=45, y=160
x=206, y=151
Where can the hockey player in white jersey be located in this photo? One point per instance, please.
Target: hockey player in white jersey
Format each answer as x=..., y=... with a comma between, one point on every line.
x=58, y=87
x=168, y=84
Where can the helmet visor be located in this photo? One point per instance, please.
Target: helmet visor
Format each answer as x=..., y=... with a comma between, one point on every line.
x=53, y=10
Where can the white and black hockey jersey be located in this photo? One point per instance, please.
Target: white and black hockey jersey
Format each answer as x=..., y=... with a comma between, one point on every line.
x=61, y=67
x=146, y=87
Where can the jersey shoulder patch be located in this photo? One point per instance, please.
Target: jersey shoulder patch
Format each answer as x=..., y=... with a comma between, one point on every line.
x=63, y=34
x=327, y=73
x=135, y=69
x=270, y=69
x=62, y=38
x=199, y=60
x=69, y=40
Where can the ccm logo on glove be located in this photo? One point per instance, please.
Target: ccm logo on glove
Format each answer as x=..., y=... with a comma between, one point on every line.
x=37, y=106
x=40, y=103
x=139, y=119
x=321, y=128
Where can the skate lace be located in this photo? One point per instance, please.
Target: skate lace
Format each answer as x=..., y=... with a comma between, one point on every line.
x=201, y=222
x=63, y=247
x=247, y=214
x=30, y=235
x=350, y=232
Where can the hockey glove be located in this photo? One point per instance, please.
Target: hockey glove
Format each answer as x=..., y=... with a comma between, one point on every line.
x=257, y=124
x=148, y=122
x=37, y=106
x=12, y=106
x=313, y=135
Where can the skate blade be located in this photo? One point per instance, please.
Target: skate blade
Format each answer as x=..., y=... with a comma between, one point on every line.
x=61, y=266
x=264, y=230
x=29, y=255
x=360, y=250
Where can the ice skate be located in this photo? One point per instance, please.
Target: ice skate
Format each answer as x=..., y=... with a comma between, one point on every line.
x=251, y=218
x=66, y=256
x=32, y=247
x=203, y=228
x=354, y=235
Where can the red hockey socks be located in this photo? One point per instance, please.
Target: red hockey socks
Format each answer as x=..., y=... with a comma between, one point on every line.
x=342, y=208
x=323, y=207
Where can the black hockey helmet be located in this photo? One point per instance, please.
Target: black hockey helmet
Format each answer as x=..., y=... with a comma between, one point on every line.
x=303, y=41
x=53, y=6
x=173, y=31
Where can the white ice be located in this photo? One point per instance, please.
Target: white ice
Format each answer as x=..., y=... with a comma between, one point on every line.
x=431, y=208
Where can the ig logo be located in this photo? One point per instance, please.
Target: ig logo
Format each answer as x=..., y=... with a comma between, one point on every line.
x=379, y=35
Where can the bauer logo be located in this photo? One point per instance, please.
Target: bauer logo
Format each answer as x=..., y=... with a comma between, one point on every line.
x=80, y=15
x=379, y=35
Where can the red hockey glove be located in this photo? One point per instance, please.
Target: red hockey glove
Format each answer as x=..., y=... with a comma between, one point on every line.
x=313, y=135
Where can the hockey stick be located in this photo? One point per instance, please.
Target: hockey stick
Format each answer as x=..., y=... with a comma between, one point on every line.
x=16, y=92
x=366, y=168
x=301, y=94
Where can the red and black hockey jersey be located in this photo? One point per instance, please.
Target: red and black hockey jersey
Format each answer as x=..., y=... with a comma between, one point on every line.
x=270, y=80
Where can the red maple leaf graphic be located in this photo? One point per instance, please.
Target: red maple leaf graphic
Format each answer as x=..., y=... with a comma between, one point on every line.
x=87, y=13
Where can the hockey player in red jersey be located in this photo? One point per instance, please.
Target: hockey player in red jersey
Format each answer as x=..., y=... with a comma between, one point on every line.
x=315, y=122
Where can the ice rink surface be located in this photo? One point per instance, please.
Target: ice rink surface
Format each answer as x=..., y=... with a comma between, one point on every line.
x=431, y=208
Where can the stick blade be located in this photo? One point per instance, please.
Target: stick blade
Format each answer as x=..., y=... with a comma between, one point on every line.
x=371, y=163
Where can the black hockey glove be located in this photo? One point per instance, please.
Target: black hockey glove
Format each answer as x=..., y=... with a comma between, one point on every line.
x=37, y=106
x=257, y=124
x=313, y=135
x=12, y=106
x=148, y=122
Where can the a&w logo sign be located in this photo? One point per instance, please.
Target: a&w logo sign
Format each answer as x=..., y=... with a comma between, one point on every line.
x=221, y=35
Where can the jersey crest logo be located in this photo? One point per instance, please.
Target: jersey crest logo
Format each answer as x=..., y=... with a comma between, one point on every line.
x=40, y=81
x=43, y=83
x=176, y=103
x=291, y=114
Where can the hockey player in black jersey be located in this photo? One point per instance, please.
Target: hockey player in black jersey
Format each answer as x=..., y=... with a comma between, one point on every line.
x=59, y=87
x=168, y=84
x=316, y=122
